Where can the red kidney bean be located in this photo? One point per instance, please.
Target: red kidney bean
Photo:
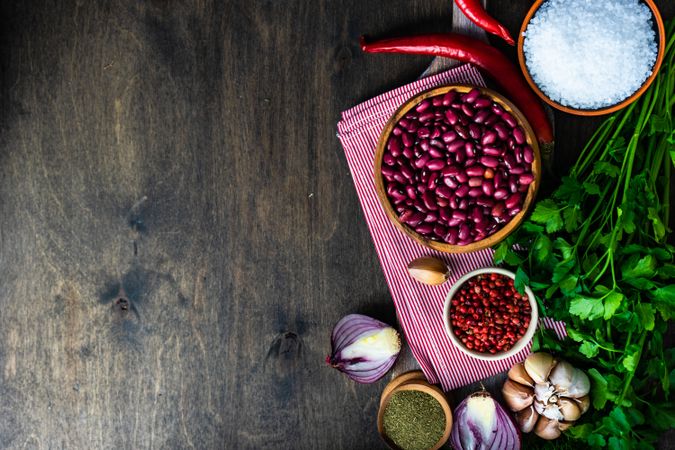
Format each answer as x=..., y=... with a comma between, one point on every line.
x=423, y=106
x=462, y=177
x=426, y=117
x=407, y=172
x=388, y=159
x=523, y=188
x=421, y=161
x=498, y=179
x=514, y=211
x=469, y=150
x=437, y=144
x=501, y=194
x=408, y=141
x=455, y=222
x=492, y=151
x=488, y=138
x=436, y=132
x=436, y=153
x=435, y=164
x=476, y=215
x=497, y=109
x=455, y=145
x=431, y=217
x=481, y=116
x=464, y=232
x=404, y=122
x=513, y=200
x=475, y=192
x=449, y=182
x=400, y=209
x=501, y=130
x=470, y=162
x=452, y=236
x=482, y=102
x=457, y=104
x=491, y=120
x=412, y=127
x=462, y=131
x=519, y=135
x=454, y=203
x=460, y=156
x=475, y=171
x=437, y=101
x=449, y=97
x=488, y=189
x=425, y=228
x=433, y=179
x=518, y=170
x=489, y=161
x=429, y=201
x=475, y=181
x=408, y=153
x=398, y=176
x=509, y=119
x=462, y=190
x=459, y=215
x=449, y=136
x=394, y=146
x=423, y=132
x=463, y=204
x=511, y=143
x=419, y=204
x=388, y=171
x=518, y=153
x=528, y=154
x=513, y=184
x=440, y=230
x=498, y=209
x=485, y=201
x=526, y=178
x=474, y=131
x=451, y=116
x=471, y=96
x=411, y=191
x=450, y=170
x=397, y=131
x=468, y=110
x=442, y=202
x=509, y=160
x=444, y=191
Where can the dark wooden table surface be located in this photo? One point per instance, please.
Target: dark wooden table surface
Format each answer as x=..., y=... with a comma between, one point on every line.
x=178, y=226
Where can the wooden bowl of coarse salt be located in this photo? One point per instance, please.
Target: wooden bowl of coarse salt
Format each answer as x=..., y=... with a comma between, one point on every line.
x=591, y=58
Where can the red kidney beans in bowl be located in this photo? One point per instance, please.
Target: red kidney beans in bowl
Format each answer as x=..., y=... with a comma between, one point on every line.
x=457, y=167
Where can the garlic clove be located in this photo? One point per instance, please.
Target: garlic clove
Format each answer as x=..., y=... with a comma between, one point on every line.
x=580, y=386
x=569, y=409
x=526, y=419
x=553, y=412
x=539, y=406
x=561, y=376
x=565, y=425
x=517, y=396
x=547, y=429
x=584, y=403
x=539, y=365
x=518, y=374
x=428, y=270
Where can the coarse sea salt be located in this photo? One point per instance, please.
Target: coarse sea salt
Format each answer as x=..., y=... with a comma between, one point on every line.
x=590, y=54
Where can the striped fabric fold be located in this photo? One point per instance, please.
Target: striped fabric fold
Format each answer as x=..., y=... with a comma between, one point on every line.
x=419, y=307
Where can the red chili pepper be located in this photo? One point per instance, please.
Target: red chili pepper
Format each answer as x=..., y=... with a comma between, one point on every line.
x=473, y=9
x=466, y=49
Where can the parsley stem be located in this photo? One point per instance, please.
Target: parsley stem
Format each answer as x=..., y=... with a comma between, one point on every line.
x=631, y=374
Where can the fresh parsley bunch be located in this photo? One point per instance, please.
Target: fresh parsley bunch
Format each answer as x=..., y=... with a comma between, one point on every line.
x=597, y=256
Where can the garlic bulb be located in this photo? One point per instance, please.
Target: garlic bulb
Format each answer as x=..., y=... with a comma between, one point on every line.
x=547, y=395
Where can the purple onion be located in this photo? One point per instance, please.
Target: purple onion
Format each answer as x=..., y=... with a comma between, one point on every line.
x=480, y=423
x=363, y=348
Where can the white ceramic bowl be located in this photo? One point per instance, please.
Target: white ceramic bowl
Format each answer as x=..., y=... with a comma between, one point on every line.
x=527, y=337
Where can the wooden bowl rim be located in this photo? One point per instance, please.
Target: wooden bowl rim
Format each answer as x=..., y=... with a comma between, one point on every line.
x=521, y=344
x=399, y=380
x=609, y=109
x=515, y=221
x=422, y=386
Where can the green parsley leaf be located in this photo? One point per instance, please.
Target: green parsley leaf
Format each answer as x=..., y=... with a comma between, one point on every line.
x=548, y=213
x=586, y=307
x=657, y=224
x=542, y=248
x=575, y=335
x=617, y=415
x=639, y=267
x=599, y=392
x=572, y=218
x=591, y=188
x=606, y=168
x=616, y=443
x=580, y=431
x=612, y=303
x=630, y=361
x=589, y=349
x=500, y=252
x=596, y=440
x=521, y=280
x=645, y=313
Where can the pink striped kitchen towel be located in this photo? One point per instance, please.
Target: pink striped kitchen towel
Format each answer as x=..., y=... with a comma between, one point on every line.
x=419, y=307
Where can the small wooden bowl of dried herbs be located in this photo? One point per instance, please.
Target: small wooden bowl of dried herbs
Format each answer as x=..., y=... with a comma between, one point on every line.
x=414, y=415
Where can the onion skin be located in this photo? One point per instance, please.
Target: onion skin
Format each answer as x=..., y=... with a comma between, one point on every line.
x=363, y=348
x=483, y=426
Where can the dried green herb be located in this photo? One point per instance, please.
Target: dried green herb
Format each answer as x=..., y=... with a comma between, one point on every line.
x=413, y=420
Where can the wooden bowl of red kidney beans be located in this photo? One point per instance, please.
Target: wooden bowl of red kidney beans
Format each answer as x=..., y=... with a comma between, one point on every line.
x=457, y=167
x=486, y=317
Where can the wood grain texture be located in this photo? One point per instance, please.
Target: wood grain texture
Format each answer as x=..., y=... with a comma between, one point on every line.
x=178, y=226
